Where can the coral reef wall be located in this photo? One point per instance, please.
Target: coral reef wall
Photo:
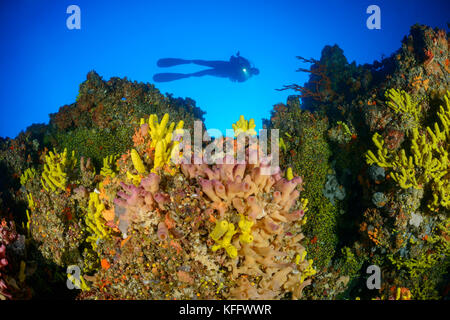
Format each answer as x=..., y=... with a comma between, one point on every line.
x=94, y=201
x=387, y=160
x=104, y=116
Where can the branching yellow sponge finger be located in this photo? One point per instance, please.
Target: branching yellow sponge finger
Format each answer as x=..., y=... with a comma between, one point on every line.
x=427, y=161
x=245, y=225
x=137, y=162
x=219, y=230
x=162, y=136
x=244, y=126
x=27, y=175
x=401, y=102
x=225, y=242
x=56, y=168
x=94, y=220
x=108, y=168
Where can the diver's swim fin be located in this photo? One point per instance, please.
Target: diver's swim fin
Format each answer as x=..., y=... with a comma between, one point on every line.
x=170, y=62
x=166, y=77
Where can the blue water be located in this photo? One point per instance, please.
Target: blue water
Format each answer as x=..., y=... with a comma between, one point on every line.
x=42, y=63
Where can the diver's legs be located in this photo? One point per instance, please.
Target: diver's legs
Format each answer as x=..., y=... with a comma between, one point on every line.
x=212, y=64
x=170, y=62
x=167, y=77
x=207, y=72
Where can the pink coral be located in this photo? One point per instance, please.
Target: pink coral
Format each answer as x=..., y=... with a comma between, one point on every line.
x=3, y=261
x=136, y=203
x=267, y=200
x=177, y=213
x=163, y=232
x=7, y=236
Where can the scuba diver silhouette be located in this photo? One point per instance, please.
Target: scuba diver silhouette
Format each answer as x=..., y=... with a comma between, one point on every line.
x=238, y=69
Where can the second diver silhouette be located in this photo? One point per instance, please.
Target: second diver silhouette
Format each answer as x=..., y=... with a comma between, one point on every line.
x=238, y=69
